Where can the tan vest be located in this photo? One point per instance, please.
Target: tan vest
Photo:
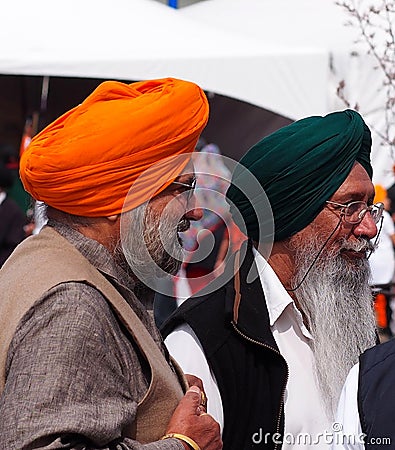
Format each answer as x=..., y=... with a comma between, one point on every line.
x=46, y=260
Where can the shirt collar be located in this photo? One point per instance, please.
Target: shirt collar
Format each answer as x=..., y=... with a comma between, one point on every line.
x=277, y=298
x=3, y=195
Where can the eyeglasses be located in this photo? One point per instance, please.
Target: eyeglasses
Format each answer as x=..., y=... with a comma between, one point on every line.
x=354, y=212
x=189, y=187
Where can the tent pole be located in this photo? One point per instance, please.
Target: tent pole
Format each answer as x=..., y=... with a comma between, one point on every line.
x=44, y=93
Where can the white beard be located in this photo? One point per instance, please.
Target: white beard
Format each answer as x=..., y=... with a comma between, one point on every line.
x=150, y=243
x=337, y=303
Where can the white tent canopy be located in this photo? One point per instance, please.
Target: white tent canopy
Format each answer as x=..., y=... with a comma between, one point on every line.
x=294, y=25
x=139, y=39
x=286, y=56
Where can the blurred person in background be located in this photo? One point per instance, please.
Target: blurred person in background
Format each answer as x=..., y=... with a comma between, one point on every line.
x=12, y=219
x=208, y=241
x=10, y=159
x=382, y=266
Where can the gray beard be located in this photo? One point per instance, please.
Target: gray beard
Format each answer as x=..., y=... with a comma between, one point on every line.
x=337, y=303
x=150, y=244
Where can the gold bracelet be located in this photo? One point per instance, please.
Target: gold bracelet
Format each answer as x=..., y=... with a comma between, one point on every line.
x=181, y=437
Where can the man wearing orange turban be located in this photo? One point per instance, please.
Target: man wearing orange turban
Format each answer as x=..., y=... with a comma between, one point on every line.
x=81, y=361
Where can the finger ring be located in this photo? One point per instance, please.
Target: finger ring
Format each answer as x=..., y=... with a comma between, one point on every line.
x=200, y=410
x=203, y=399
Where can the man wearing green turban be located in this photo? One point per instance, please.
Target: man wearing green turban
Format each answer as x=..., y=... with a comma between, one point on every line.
x=274, y=344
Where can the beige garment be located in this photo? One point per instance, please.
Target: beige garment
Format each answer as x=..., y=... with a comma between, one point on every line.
x=53, y=251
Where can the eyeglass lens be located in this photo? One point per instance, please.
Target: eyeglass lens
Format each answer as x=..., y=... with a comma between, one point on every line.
x=355, y=212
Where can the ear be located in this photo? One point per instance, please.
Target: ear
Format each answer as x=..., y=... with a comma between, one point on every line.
x=112, y=218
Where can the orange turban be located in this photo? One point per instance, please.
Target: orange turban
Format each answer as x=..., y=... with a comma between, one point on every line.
x=85, y=162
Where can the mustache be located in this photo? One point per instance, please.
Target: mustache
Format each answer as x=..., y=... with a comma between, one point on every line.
x=361, y=245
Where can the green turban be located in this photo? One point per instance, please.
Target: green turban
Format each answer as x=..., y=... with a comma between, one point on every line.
x=299, y=167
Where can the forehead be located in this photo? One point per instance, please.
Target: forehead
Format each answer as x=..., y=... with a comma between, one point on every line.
x=356, y=186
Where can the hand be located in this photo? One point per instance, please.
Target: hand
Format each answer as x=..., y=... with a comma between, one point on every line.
x=194, y=381
x=190, y=420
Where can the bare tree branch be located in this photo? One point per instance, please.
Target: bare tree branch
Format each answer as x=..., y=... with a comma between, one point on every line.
x=375, y=22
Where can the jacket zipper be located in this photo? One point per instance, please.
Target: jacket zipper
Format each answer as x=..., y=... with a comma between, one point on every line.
x=287, y=377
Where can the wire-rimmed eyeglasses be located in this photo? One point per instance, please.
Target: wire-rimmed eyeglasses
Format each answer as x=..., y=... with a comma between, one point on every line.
x=354, y=212
x=189, y=187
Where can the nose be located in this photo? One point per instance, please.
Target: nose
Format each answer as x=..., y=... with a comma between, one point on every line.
x=194, y=213
x=366, y=228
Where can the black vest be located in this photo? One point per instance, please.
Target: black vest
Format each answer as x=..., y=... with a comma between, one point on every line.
x=376, y=396
x=233, y=327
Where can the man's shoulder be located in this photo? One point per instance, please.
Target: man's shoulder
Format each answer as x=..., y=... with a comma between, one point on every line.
x=376, y=356
x=48, y=253
x=212, y=308
x=202, y=310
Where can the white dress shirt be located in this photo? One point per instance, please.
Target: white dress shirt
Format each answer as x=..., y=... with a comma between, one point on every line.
x=305, y=416
x=348, y=416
